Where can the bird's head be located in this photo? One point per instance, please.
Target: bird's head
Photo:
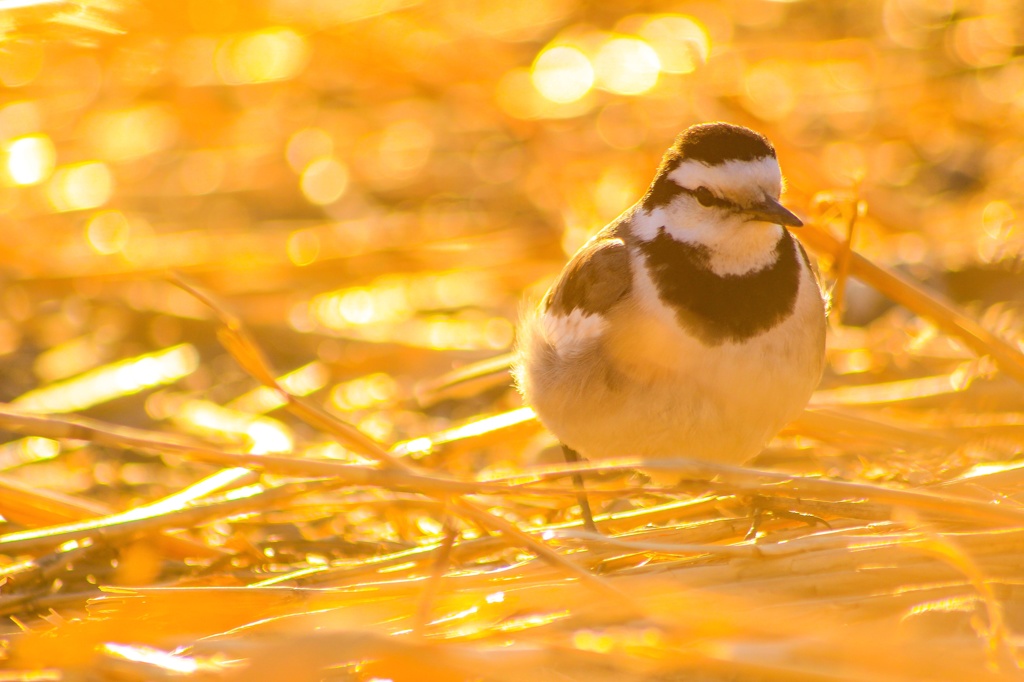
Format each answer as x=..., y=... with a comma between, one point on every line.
x=720, y=174
x=718, y=187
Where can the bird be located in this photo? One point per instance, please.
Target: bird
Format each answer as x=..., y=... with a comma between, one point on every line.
x=693, y=325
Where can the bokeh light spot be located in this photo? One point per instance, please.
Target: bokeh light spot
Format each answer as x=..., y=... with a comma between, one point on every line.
x=80, y=186
x=307, y=145
x=20, y=118
x=30, y=159
x=682, y=42
x=132, y=133
x=562, y=74
x=983, y=41
x=998, y=219
x=324, y=181
x=270, y=55
x=107, y=232
x=627, y=66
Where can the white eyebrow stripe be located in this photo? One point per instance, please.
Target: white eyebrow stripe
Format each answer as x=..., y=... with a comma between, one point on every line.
x=732, y=177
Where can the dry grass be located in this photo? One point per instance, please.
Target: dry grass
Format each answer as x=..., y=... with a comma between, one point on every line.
x=261, y=267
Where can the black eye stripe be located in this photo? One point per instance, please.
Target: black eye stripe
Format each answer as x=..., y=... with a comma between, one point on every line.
x=707, y=198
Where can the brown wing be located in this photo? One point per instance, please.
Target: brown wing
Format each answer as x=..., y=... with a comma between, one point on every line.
x=596, y=278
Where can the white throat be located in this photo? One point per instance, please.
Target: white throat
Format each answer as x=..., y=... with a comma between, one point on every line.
x=735, y=247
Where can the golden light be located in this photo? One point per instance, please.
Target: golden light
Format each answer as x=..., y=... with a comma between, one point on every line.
x=155, y=659
x=273, y=54
x=590, y=640
x=562, y=74
x=324, y=181
x=518, y=96
x=332, y=13
x=23, y=59
x=268, y=437
x=617, y=187
x=306, y=146
x=517, y=623
x=67, y=359
x=303, y=247
x=363, y=392
x=893, y=391
x=20, y=118
x=846, y=163
x=474, y=429
x=10, y=337
x=396, y=298
x=264, y=434
x=984, y=41
x=403, y=149
x=301, y=382
x=194, y=60
x=107, y=232
x=30, y=159
x=627, y=66
x=129, y=134
x=202, y=172
x=359, y=306
x=112, y=381
x=769, y=93
x=998, y=219
x=27, y=450
x=81, y=186
x=681, y=41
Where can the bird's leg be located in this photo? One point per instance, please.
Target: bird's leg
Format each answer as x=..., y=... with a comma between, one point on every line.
x=571, y=457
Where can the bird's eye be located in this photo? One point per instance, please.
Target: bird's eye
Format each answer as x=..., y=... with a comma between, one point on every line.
x=704, y=196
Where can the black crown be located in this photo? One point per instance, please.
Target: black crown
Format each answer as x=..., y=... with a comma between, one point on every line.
x=711, y=144
x=715, y=143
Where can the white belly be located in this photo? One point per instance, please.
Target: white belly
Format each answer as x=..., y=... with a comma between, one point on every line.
x=666, y=394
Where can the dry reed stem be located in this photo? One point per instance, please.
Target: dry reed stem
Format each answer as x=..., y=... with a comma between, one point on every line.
x=842, y=260
x=917, y=298
x=39, y=507
x=770, y=483
x=148, y=518
x=247, y=353
x=439, y=567
x=466, y=381
x=33, y=506
x=84, y=428
x=1000, y=650
x=832, y=424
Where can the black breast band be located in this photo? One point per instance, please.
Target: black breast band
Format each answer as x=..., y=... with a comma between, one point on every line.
x=718, y=308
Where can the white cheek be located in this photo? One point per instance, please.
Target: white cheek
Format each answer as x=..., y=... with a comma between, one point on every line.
x=574, y=333
x=681, y=218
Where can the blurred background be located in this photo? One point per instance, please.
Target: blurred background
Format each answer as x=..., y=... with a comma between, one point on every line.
x=376, y=187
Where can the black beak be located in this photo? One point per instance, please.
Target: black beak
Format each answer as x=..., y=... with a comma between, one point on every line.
x=771, y=211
